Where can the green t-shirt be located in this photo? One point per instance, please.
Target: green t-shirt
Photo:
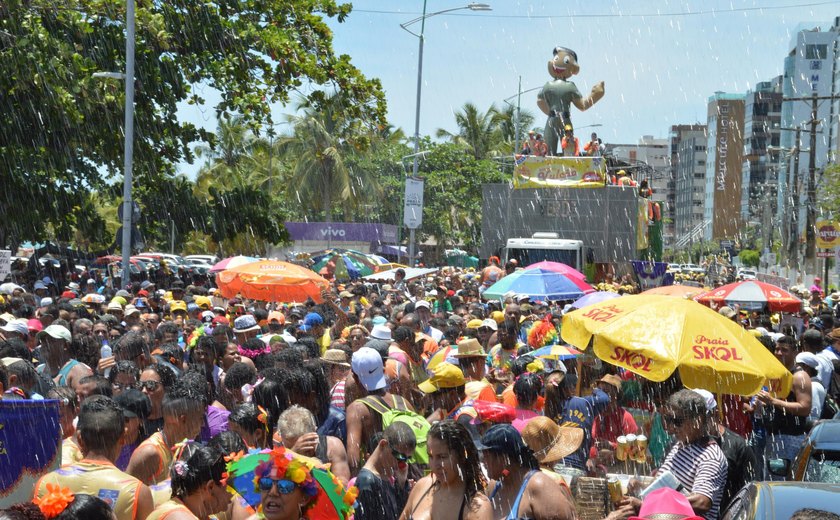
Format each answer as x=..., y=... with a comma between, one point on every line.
x=559, y=94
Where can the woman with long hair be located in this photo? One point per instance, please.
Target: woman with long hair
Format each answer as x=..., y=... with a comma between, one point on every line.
x=199, y=485
x=519, y=489
x=455, y=479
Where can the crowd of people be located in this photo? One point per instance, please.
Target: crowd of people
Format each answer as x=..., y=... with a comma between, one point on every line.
x=416, y=393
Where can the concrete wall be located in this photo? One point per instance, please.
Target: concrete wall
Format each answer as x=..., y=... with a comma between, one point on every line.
x=604, y=218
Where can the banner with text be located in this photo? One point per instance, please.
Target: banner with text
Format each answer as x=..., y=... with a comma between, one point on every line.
x=559, y=172
x=828, y=233
x=30, y=440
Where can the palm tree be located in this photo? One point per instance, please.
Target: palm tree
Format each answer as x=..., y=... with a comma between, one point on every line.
x=477, y=130
x=507, y=128
x=223, y=169
x=322, y=140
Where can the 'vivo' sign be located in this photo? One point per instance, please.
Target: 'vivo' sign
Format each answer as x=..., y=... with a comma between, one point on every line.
x=343, y=231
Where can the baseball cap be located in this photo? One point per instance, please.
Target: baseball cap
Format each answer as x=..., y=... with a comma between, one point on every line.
x=726, y=311
x=368, y=367
x=444, y=375
x=611, y=379
x=145, y=284
x=39, y=285
x=177, y=305
x=474, y=324
x=808, y=359
x=46, y=301
x=490, y=323
x=379, y=320
x=708, y=398
x=276, y=316
x=35, y=325
x=134, y=403
x=345, y=294
x=131, y=309
x=504, y=438
x=422, y=304
x=57, y=332
x=207, y=316
x=312, y=319
x=20, y=325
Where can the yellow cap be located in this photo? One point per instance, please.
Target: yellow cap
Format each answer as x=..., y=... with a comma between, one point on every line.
x=444, y=375
x=177, y=305
x=498, y=316
x=474, y=324
x=204, y=303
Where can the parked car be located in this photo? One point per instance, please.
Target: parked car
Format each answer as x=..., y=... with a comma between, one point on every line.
x=746, y=274
x=818, y=459
x=780, y=500
x=209, y=260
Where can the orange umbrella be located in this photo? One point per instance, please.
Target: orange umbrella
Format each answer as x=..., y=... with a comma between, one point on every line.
x=682, y=291
x=271, y=281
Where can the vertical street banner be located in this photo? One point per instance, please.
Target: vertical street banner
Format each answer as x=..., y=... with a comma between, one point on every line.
x=30, y=446
x=828, y=234
x=5, y=263
x=559, y=172
x=413, y=205
x=642, y=225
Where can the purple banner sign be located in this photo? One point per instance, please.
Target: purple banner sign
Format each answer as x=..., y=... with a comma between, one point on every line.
x=343, y=231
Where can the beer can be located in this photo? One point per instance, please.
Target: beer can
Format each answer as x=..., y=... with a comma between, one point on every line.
x=616, y=494
x=621, y=448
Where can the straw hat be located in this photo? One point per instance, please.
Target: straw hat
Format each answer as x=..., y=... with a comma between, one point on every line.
x=549, y=441
x=335, y=356
x=834, y=335
x=470, y=348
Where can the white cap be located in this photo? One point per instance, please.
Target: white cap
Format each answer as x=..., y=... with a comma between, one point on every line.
x=422, y=304
x=368, y=366
x=19, y=325
x=808, y=359
x=708, y=397
x=489, y=323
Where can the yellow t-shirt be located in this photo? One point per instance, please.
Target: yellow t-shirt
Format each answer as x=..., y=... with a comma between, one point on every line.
x=70, y=451
x=101, y=479
x=164, y=453
x=167, y=508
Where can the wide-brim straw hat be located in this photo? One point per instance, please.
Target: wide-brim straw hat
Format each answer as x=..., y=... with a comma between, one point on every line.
x=549, y=441
x=335, y=356
x=469, y=348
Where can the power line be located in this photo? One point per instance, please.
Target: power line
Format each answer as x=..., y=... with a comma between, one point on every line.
x=613, y=15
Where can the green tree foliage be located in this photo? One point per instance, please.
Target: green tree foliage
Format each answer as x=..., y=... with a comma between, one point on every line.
x=324, y=136
x=749, y=257
x=477, y=130
x=61, y=129
x=828, y=190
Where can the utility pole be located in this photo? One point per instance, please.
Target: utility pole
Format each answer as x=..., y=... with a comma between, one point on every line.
x=793, y=241
x=811, y=205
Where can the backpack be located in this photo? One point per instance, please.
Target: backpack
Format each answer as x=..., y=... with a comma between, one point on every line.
x=400, y=413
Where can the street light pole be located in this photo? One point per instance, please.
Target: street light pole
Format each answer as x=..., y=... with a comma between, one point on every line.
x=404, y=26
x=128, y=131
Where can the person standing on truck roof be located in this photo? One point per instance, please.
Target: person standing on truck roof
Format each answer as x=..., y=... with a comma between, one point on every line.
x=491, y=274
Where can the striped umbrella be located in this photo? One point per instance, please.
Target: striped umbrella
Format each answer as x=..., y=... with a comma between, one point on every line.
x=751, y=295
x=342, y=264
x=230, y=263
x=592, y=298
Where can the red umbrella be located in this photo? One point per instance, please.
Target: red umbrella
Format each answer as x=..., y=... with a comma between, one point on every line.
x=751, y=295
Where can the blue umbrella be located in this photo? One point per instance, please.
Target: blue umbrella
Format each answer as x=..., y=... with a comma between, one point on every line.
x=592, y=298
x=538, y=284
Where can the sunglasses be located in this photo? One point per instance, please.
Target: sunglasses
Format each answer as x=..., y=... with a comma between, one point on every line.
x=401, y=457
x=148, y=385
x=284, y=486
x=118, y=386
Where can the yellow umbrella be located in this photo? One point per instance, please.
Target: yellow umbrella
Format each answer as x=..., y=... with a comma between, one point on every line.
x=653, y=336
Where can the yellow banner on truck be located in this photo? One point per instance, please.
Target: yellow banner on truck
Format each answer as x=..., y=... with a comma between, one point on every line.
x=559, y=172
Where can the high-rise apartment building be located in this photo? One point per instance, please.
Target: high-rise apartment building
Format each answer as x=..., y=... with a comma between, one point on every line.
x=811, y=68
x=762, y=119
x=724, y=160
x=688, y=170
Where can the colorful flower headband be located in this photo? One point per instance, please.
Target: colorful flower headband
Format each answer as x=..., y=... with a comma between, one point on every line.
x=287, y=466
x=251, y=354
x=55, y=501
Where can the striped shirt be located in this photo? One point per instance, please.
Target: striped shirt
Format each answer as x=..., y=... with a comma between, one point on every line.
x=337, y=394
x=701, y=468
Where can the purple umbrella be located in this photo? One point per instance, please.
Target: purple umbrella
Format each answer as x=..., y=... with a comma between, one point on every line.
x=592, y=298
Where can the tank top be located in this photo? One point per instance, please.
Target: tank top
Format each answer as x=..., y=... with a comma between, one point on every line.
x=788, y=424
x=62, y=374
x=161, y=493
x=101, y=479
x=162, y=511
x=157, y=442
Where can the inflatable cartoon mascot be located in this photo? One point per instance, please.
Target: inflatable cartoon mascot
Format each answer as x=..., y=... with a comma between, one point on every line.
x=557, y=96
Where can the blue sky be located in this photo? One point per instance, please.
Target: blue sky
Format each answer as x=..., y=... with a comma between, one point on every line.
x=660, y=63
